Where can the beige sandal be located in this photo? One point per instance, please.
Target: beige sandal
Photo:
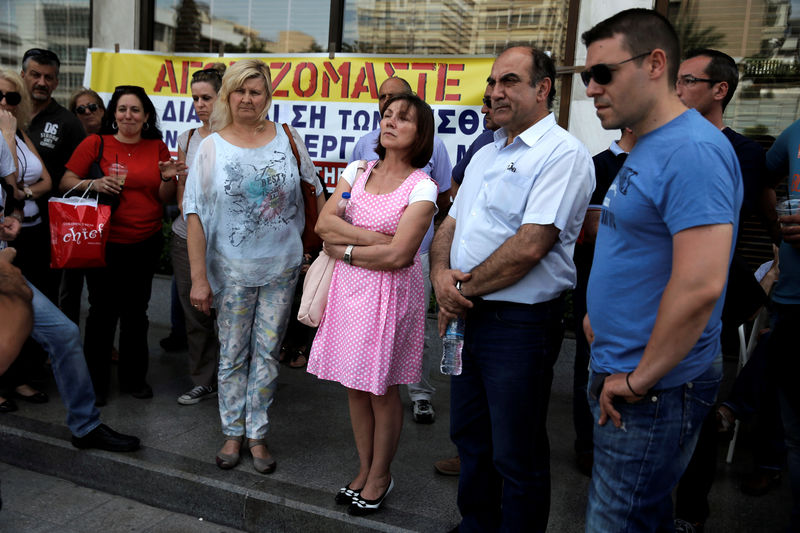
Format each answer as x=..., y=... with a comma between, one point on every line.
x=226, y=461
x=261, y=465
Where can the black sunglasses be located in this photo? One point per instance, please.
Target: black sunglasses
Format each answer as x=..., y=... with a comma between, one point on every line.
x=82, y=109
x=41, y=52
x=602, y=72
x=12, y=97
x=487, y=102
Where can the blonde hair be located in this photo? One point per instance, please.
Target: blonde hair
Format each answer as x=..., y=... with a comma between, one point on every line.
x=235, y=77
x=24, y=108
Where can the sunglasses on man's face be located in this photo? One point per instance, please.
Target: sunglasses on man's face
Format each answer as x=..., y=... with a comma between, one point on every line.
x=11, y=97
x=602, y=73
x=86, y=109
x=487, y=102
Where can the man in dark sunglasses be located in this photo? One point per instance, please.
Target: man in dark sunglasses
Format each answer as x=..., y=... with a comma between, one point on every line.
x=661, y=259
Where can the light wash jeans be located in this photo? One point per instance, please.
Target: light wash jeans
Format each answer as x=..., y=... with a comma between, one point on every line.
x=61, y=339
x=637, y=465
x=424, y=389
x=251, y=323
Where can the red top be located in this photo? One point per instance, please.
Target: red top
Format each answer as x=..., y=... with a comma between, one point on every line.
x=140, y=211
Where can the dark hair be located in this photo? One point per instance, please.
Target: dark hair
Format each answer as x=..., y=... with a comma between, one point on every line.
x=211, y=75
x=722, y=67
x=421, y=151
x=642, y=30
x=149, y=130
x=41, y=56
x=542, y=66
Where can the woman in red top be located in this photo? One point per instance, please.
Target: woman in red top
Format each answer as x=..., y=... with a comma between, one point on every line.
x=121, y=290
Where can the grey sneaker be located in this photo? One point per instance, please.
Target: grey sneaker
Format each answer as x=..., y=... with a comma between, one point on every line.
x=196, y=394
x=423, y=412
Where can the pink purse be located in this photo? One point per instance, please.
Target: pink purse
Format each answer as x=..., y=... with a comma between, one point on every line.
x=318, y=282
x=315, y=290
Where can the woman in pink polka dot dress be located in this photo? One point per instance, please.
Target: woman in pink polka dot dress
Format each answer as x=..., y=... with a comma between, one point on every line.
x=371, y=336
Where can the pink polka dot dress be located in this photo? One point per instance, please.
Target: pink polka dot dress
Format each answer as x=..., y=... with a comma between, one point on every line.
x=372, y=331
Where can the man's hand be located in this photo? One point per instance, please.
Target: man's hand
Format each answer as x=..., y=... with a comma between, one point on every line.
x=9, y=229
x=791, y=233
x=447, y=296
x=615, y=386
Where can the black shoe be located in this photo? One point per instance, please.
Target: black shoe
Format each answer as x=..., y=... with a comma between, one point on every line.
x=345, y=495
x=37, y=397
x=104, y=438
x=100, y=401
x=142, y=393
x=173, y=343
x=8, y=406
x=361, y=507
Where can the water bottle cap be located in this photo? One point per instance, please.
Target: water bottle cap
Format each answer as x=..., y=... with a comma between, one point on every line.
x=346, y=195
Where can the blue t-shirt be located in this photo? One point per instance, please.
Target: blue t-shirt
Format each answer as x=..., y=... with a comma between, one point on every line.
x=783, y=157
x=483, y=139
x=681, y=175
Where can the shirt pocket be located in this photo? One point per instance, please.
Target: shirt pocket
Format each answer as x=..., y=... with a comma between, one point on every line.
x=508, y=197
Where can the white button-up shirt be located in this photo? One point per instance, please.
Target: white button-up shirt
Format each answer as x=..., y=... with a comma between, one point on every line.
x=545, y=176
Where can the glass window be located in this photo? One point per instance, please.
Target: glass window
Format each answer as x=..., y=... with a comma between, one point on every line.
x=763, y=39
x=250, y=26
x=63, y=26
x=453, y=26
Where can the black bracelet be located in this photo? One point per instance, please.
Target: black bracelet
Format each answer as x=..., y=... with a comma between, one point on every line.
x=165, y=180
x=628, y=381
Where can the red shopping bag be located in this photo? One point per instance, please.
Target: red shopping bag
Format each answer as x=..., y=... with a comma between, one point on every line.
x=78, y=232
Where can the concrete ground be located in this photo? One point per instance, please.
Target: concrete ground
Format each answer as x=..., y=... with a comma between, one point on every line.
x=311, y=439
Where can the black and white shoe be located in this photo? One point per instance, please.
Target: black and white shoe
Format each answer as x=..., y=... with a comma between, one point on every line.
x=361, y=507
x=198, y=393
x=346, y=495
x=423, y=412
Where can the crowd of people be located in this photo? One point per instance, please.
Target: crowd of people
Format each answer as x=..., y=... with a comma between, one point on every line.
x=645, y=233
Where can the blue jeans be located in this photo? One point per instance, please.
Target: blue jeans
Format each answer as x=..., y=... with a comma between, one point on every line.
x=61, y=339
x=498, y=415
x=637, y=465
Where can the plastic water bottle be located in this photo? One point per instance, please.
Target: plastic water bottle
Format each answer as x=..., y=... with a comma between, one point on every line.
x=452, y=344
x=341, y=207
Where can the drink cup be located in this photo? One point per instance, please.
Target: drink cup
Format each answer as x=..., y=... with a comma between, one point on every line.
x=788, y=207
x=119, y=171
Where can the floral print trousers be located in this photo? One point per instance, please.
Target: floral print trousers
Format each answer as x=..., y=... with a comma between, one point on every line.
x=252, y=322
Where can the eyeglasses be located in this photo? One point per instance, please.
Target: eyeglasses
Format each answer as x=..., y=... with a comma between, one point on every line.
x=602, y=72
x=87, y=109
x=688, y=80
x=487, y=102
x=12, y=97
x=41, y=52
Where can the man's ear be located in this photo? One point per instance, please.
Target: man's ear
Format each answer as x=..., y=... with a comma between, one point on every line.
x=720, y=90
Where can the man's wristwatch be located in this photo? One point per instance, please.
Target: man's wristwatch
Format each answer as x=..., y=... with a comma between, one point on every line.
x=348, y=254
x=458, y=288
x=28, y=193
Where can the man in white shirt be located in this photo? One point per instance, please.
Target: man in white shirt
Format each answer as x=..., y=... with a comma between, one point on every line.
x=502, y=259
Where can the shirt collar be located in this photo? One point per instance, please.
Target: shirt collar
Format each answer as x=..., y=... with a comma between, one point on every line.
x=529, y=136
x=615, y=148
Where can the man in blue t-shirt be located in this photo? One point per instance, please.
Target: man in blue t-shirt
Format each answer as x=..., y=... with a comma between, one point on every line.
x=657, y=284
x=783, y=158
